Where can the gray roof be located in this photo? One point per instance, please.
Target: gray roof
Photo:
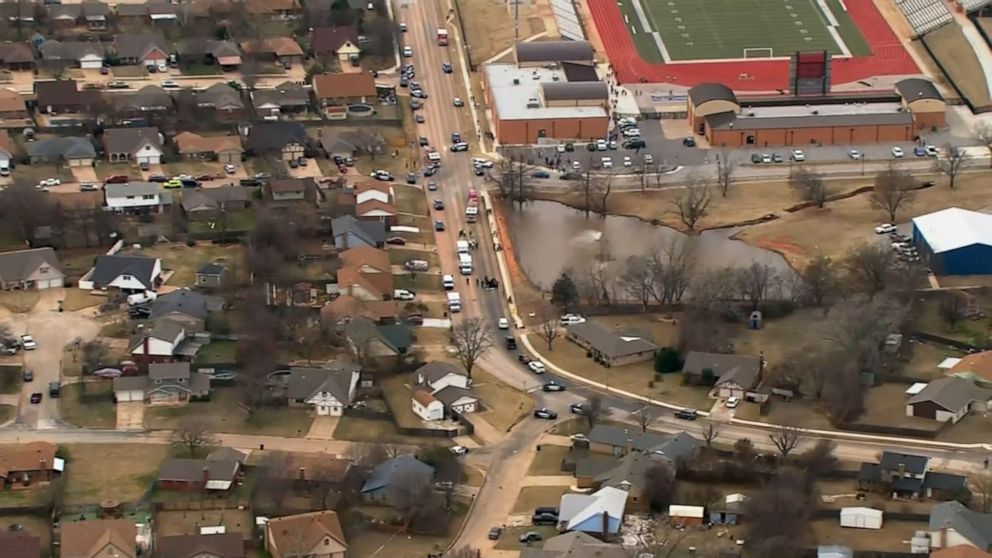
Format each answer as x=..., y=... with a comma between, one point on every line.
x=450, y=394
x=269, y=136
x=742, y=369
x=974, y=526
x=130, y=140
x=70, y=50
x=227, y=454
x=337, y=380
x=372, y=232
x=575, y=544
x=169, y=371
x=285, y=95
x=579, y=72
x=137, y=45
x=554, y=51
x=671, y=446
x=951, y=393
x=189, y=302
x=108, y=268
x=131, y=383
x=729, y=120
x=17, y=266
x=402, y=468
x=132, y=189
x=212, y=198
x=221, y=96
x=917, y=88
x=575, y=91
x=434, y=371
x=192, y=470
x=611, y=343
x=149, y=97
x=594, y=465
x=629, y=470
x=711, y=92
x=916, y=464
x=946, y=482
x=72, y=147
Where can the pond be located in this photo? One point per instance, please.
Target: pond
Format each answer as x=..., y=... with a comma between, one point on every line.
x=549, y=237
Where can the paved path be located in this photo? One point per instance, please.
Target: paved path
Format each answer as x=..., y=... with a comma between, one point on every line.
x=549, y=480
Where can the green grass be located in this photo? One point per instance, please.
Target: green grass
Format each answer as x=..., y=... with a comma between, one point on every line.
x=238, y=221
x=218, y=351
x=10, y=378
x=88, y=405
x=721, y=29
x=224, y=414
x=419, y=282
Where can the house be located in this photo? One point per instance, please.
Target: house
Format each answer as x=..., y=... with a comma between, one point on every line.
x=68, y=150
x=426, y=406
x=136, y=197
x=287, y=98
x=619, y=441
x=952, y=524
x=224, y=149
x=19, y=544
x=12, y=105
x=629, y=473
x=29, y=463
x=141, y=48
x=333, y=92
x=438, y=375
x=275, y=9
x=612, y=348
x=345, y=307
x=186, y=307
x=17, y=57
x=908, y=475
x=686, y=516
x=350, y=232
x=207, y=204
x=63, y=96
x=287, y=189
x=88, y=55
x=37, y=268
x=734, y=375
x=281, y=50
x=223, y=101
x=225, y=54
x=334, y=144
x=198, y=475
x=374, y=201
x=327, y=390
x=948, y=399
x=148, y=102
x=370, y=340
x=21, y=14
x=162, y=342
x=446, y=384
x=861, y=517
x=131, y=273
x=960, y=551
x=729, y=510
x=167, y=383
x=365, y=273
x=574, y=544
x=308, y=535
x=210, y=276
x=286, y=139
x=402, y=469
x=341, y=42
x=154, y=12
x=216, y=545
x=99, y=538
x=601, y=512
x=137, y=145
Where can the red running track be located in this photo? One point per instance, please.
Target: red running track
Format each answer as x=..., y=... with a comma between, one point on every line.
x=888, y=57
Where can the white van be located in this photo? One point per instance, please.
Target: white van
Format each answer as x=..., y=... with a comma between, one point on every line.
x=461, y=246
x=141, y=298
x=448, y=281
x=465, y=264
x=454, y=302
x=5, y=168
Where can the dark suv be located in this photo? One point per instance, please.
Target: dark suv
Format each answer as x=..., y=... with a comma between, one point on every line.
x=686, y=414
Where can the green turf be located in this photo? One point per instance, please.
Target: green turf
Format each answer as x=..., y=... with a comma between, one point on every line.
x=722, y=29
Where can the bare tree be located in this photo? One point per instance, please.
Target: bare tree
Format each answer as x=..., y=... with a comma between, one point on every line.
x=636, y=279
x=811, y=185
x=671, y=270
x=710, y=433
x=782, y=510
x=369, y=454
x=893, y=189
x=513, y=178
x=725, y=168
x=94, y=352
x=819, y=459
x=951, y=162
x=548, y=329
x=756, y=281
x=786, y=437
x=604, y=188
x=644, y=417
x=271, y=490
x=193, y=434
x=692, y=205
x=471, y=340
x=660, y=485
x=643, y=175
x=869, y=266
x=593, y=410
x=983, y=133
x=981, y=490
x=368, y=140
x=412, y=494
x=951, y=308
x=23, y=208
x=820, y=279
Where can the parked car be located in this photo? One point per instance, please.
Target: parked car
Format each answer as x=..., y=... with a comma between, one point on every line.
x=403, y=294
x=396, y=241
x=54, y=389
x=27, y=375
x=854, y=154
x=382, y=175
x=250, y=182
x=417, y=265
x=544, y=519
x=28, y=343
x=495, y=533
x=686, y=414
x=544, y=413
x=540, y=174
x=536, y=367
x=530, y=536
x=569, y=319
x=897, y=152
x=431, y=186
x=552, y=386
x=503, y=323
x=732, y=402
x=798, y=155
x=230, y=169
x=459, y=450
x=931, y=151
x=885, y=228
x=36, y=398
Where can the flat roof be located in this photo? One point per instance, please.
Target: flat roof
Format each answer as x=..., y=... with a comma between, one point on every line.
x=511, y=99
x=813, y=116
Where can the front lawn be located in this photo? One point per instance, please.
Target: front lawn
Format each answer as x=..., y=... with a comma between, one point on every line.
x=184, y=260
x=355, y=429
x=11, y=377
x=88, y=404
x=548, y=461
x=410, y=200
x=19, y=302
x=224, y=414
x=417, y=282
x=237, y=221
x=504, y=404
x=119, y=472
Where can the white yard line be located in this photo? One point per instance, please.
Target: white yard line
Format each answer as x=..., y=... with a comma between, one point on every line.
x=832, y=25
x=652, y=30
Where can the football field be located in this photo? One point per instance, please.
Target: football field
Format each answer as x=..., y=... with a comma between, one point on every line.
x=688, y=30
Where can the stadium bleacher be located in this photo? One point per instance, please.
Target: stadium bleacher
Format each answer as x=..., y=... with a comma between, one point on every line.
x=925, y=15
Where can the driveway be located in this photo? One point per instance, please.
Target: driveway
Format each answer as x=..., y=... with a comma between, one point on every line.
x=312, y=170
x=322, y=428
x=84, y=174
x=131, y=415
x=52, y=331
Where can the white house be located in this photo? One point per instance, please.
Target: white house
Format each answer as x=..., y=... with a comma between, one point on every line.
x=90, y=61
x=138, y=145
x=426, y=406
x=158, y=343
x=861, y=518
x=439, y=375
x=447, y=384
x=134, y=196
x=458, y=400
x=129, y=273
x=327, y=390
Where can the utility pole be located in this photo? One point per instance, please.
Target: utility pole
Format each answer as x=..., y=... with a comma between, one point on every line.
x=516, y=20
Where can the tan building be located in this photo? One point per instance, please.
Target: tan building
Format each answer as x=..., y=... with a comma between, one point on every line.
x=225, y=149
x=99, y=538
x=921, y=98
x=307, y=535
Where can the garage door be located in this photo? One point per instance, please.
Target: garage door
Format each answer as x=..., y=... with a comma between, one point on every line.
x=50, y=283
x=90, y=64
x=150, y=159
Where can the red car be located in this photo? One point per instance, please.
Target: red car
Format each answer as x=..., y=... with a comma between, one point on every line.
x=205, y=177
x=117, y=179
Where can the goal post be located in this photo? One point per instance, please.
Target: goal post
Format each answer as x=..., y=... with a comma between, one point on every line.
x=759, y=52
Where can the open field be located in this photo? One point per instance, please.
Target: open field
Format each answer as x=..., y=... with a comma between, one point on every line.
x=891, y=537
x=185, y=260
x=169, y=523
x=953, y=52
x=548, y=460
x=135, y=468
x=531, y=497
x=19, y=301
x=88, y=404
x=224, y=414
x=489, y=27
x=778, y=338
x=503, y=404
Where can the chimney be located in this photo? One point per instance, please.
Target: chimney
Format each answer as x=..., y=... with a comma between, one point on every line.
x=606, y=525
x=206, y=475
x=943, y=536
x=629, y=445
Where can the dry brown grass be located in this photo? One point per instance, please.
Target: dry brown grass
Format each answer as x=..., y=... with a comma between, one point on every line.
x=489, y=26
x=891, y=537
x=548, y=461
x=952, y=50
x=531, y=497
x=169, y=523
x=77, y=299
x=504, y=404
x=19, y=302
x=185, y=260
x=135, y=468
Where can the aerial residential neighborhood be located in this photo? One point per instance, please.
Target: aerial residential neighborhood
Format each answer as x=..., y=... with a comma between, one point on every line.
x=469, y=278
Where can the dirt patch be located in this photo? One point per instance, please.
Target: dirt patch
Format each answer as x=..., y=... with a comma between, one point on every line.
x=489, y=26
x=130, y=415
x=135, y=469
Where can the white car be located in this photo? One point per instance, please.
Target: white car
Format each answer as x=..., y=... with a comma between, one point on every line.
x=484, y=163
x=408, y=52
x=230, y=169
x=570, y=319
x=457, y=102
x=627, y=162
x=28, y=343
x=732, y=402
x=403, y=294
x=141, y=298
x=627, y=121
x=798, y=155
x=560, y=148
x=579, y=438
x=931, y=151
x=897, y=152
x=459, y=450
x=885, y=228
x=766, y=158
x=503, y=323
x=854, y=154
x=631, y=133
x=601, y=145
x=648, y=158
x=536, y=367
x=51, y=182
x=169, y=84
x=576, y=165
x=607, y=163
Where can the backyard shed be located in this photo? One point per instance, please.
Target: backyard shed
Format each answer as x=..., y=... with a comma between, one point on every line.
x=686, y=515
x=861, y=518
x=955, y=241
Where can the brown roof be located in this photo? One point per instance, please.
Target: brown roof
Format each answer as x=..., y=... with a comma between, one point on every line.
x=374, y=283
x=327, y=40
x=305, y=530
x=347, y=306
x=366, y=256
x=188, y=142
x=20, y=545
x=286, y=185
x=960, y=551
x=11, y=101
x=83, y=539
x=422, y=397
x=220, y=545
x=331, y=86
x=372, y=205
x=280, y=46
x=979, y=364
x=33, y=456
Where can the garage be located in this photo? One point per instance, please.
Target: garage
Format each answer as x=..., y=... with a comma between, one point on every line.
x=91, y=62
x=130, y=389
x=151, y=159
x=49, y=283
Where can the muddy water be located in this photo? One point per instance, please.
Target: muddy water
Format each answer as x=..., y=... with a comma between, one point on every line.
x=549, y=236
